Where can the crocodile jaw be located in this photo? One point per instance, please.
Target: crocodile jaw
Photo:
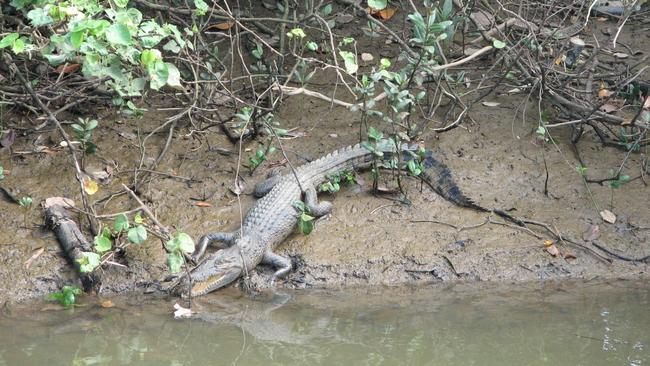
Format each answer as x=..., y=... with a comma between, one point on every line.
x=220, y=278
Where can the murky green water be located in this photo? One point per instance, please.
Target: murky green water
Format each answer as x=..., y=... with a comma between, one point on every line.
x=568, y=324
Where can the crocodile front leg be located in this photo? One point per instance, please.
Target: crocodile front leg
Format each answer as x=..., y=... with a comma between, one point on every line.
x=316, y=208
x=280, y=263
x=265, y=186
x=226, y=239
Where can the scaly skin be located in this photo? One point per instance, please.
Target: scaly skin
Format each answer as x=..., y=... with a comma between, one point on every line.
x=273, y=217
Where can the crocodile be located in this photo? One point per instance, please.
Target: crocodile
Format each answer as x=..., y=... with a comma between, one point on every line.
x=273, y=217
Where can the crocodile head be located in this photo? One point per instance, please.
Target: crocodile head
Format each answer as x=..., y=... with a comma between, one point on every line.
x=219, y=270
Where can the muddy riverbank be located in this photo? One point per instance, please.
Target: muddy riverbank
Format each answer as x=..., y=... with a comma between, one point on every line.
x=367, y=240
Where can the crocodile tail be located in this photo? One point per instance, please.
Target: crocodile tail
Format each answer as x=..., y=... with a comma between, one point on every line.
x=438, y=176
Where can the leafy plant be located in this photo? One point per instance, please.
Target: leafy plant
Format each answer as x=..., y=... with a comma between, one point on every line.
x=305, y=220
x=67, y=296
x=334, y=181
x=84, y=133
x=111, y=42
x=616, y=184
x=177, y=247
x=260, y=156
x=103, y=243
x=25, y=202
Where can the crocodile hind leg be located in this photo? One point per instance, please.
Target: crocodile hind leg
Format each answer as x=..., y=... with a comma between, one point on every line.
x=316, y=208
x=265, y=186
x=226, y=239
x=280, y=263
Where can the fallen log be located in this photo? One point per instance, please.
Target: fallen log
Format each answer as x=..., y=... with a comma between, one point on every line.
x=72, y=240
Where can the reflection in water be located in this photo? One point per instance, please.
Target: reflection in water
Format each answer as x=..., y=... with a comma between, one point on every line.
x=577, y=324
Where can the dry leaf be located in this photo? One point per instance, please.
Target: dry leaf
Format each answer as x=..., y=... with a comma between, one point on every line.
x=592, y=233
x=90, y=186
x=220, y=26
x=383, y=14
x=367, y=57
x=621, y=55
x=107, y=304
x=37, y=253
x=604, y=93
x=569, y=255
x=552, y=250
x=491, y=104
x=67, y=68
x=202, y=204
x=608, y=216
x=8, y=139
x=181, y=312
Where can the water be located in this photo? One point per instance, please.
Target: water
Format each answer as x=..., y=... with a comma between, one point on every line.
x=551, y=324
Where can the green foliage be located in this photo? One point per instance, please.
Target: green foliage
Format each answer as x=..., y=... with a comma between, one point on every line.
x=582, y=170
x=109, y=41
x=498, y=44
x=621, y=179
x=177, y=247
x=2, y=171
x=378, y=4
x=305, y=220
x=121, y=223
x=102, y=244
x=89, y=261
x=25, y=202
x=83, y=130
x=260, y=156
x=350, y=61
x=17, y=44
x=67, y=296
x=334, y=181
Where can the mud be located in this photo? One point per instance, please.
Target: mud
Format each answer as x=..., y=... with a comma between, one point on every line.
x=368, y=239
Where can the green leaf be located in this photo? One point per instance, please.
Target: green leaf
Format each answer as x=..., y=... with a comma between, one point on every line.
x=39, y=17
x=159, y=74
x=297, y=32
x=374, y=134
x=138, y=218
x=175, y=262
x=378, y=4
x=91, y=125
x=119, y=34
x=18, y=46
x=306, y=224
x=384, y=63
x=326, y=10
x=541, y=130
x=149, y=57
x=350, y=61
x=76, y=38
x=102, y=244
x=312, y=46
x=121, y=223
x=174, y=76
x=121, y=3
x=186, y=244
x=89, y=262
x=201, y=7
x=497, y=43
x=8, y=40
x=300, y=206
x=137, y=235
